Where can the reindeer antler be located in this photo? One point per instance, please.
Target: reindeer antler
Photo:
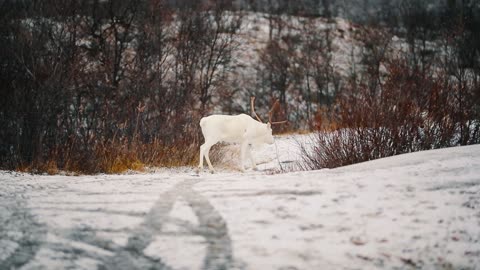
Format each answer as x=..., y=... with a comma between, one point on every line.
x=252, y=106
x=270, y=114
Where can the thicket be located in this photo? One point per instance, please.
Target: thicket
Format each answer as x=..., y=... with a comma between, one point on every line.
x=104, y=86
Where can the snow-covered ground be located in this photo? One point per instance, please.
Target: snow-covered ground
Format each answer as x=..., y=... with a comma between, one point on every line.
x=419, y=210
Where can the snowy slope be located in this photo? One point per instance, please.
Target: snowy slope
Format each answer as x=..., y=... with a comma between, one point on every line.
x=414, y=210
x=254, y=36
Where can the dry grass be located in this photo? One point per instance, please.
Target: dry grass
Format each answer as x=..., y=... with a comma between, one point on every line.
x=49, y=167
x=114, y=157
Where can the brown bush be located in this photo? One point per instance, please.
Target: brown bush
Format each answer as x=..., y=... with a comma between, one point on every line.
x=410, y=112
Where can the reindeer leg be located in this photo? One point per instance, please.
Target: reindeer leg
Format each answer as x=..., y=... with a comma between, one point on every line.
x=243, y=149
x=249, y=152
x=202, y=153
x=207, y=157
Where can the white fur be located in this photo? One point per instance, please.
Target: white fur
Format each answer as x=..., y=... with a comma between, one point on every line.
x=241, y=129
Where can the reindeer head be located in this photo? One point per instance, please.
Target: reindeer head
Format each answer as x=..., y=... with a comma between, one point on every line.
x=267, y=137
x=275, y=106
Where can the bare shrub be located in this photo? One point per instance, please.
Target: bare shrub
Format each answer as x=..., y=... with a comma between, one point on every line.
x=410, y=112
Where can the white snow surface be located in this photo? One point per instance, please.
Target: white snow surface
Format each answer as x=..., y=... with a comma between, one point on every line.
x=419, y=210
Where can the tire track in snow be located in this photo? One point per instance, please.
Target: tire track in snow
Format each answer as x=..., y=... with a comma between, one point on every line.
x=211, y=226
x=21, y=235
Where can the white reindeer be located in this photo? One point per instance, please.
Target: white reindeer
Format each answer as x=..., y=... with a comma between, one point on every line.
x=241, y=129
